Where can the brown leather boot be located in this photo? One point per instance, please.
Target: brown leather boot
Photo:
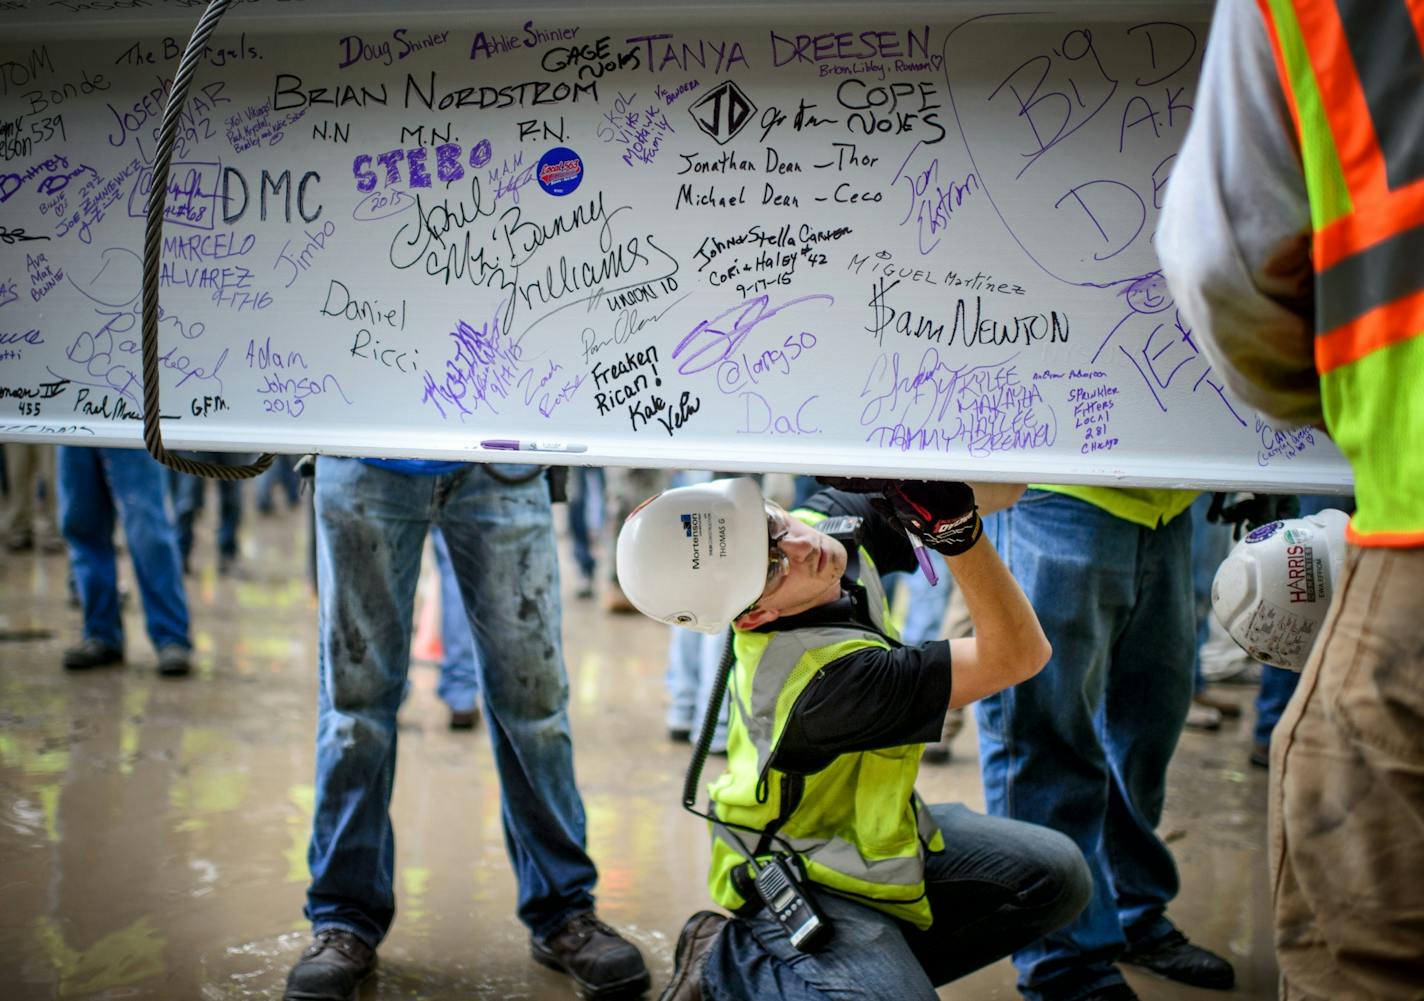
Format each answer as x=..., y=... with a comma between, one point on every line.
x=603, y=963
x=690, y=956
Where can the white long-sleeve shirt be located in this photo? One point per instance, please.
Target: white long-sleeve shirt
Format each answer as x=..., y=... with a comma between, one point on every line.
x=1234, y=236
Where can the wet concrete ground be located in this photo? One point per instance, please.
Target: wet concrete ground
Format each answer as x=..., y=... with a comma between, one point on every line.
x=153, y=832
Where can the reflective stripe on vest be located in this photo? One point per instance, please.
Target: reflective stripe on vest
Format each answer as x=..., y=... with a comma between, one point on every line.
x=884, y=866
x=1353, y=73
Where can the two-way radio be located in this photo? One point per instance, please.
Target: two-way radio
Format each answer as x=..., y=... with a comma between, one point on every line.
x=807, y=927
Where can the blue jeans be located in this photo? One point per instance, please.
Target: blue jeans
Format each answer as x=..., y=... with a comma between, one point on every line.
x=459, y=684
x=998, y=885
x=96, y=486
x=282, y=473
x=1083, y=747
x=585, y=491
x=1211, y=541
x=371, y=525
x=692, y=668
x=188, y=501
x=1277, y=687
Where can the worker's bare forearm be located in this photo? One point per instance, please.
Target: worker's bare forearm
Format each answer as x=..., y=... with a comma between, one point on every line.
x=1008, y=644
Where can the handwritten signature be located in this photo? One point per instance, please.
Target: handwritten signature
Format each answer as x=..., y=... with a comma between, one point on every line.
x=12, y=236
x=710, y=343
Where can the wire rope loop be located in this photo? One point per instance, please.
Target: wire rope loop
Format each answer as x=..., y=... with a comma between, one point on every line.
x=152, y=254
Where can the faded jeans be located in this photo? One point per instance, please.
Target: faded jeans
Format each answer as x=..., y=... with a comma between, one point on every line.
x=188, y=501
x=1346, y=806
x=1083, y=747
x=693, y=659
x=98, y=486
x=998, y=885
x=459, y=685
x=371, y=526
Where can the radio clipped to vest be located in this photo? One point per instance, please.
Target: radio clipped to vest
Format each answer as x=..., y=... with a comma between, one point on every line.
x=794, y=909
x=777, y=886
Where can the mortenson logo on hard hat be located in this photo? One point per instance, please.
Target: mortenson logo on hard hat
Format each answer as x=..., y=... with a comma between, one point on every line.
x=692, y=528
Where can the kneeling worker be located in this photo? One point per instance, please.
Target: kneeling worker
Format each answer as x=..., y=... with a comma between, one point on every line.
x=842, y=880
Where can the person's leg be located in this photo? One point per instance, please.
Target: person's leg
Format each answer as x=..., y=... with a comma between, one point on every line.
x=1346, y=804
x=86, y=520
x=229, y=509
x=1039, y=747
x=187, y=494
x=459, y=685
x=867, y=957
x=266, y=481
x=1277, y=687
x=581, y=480
x=709, y=656
x=1211, y=541
x=17, y=525
x=48, y=474
x=998, y=886
x=681, y=680
x=1149, y=689
x=502, y=549
x=137, y=482
x=371, y=523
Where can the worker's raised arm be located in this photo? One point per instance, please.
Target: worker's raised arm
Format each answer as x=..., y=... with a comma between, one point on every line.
x=1008, y=645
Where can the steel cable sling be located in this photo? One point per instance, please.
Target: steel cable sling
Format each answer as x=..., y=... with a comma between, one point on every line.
x=152, y=254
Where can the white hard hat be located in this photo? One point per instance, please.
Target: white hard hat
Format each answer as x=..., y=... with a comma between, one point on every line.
x=1272, y=591
x=696, y=556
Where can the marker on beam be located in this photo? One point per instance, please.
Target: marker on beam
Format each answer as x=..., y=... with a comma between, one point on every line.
x=509, y=445
x=922, y=558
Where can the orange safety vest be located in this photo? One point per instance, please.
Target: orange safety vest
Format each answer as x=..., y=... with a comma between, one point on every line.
x=1353, y=73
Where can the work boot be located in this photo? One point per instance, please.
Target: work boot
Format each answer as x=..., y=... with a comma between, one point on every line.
x=174, y=660
x=1227, y=708
x=937, y=753
x=1174, y=958
x=690, y=956
x=1201, y=717
x=92, y=653
x=465, y=719
x=615, y=601
x=331, y=968
x=597, y=958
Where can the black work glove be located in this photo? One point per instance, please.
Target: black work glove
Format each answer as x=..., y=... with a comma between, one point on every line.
x=941, y=513
x=1245, y=512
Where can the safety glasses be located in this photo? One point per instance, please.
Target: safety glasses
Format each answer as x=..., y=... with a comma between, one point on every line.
x=778, y=564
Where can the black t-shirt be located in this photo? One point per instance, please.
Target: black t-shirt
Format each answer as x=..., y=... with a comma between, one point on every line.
x=871, y=699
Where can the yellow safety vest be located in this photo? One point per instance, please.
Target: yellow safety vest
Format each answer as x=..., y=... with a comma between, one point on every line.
x=1352, y=75
x=858, y=825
